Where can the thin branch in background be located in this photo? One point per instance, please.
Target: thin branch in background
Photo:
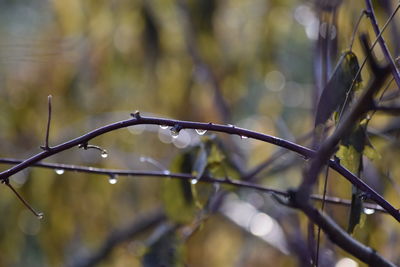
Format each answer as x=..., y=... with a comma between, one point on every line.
x=322, y=210
x=366, y=58
x=381, y=40
x=353, y=36
x=46, y=142
x=139, y=226
x=39, y=215
x=251, y=174
x=201, y=67
x=393, y=110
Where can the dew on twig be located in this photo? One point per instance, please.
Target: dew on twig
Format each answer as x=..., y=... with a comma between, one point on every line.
x=369, y=211
x=175, y=131
x=201, y=131
x=194, y=181
x=244, y=137
x=104, y=154
x=113, y=179
x=163, y=126
x=59, y=171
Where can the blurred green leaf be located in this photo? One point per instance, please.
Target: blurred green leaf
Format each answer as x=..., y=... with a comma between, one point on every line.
x=334, y=94
x=177, y=194
x=350, y=155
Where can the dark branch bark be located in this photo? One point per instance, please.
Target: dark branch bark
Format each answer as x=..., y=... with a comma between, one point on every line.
x=136, y=120
x=338, y=236
x=183, y=176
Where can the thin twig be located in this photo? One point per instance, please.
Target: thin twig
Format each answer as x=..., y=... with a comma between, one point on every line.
x=393, y=110
x=322, y=210
x=353, y=36
x=46, y=143
x=167, y=174
x=39, y=215
x=382, y=43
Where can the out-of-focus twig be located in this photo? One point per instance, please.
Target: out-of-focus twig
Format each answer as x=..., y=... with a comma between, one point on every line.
x=201, y=67
x=142, y=224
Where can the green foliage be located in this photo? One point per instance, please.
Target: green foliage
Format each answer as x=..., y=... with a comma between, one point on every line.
x=183, y=199
x=334, y=95
x=350, y=154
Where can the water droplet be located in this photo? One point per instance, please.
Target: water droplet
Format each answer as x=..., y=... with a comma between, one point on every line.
x=194, y=181
x=104, y=154
x=244, y=137
x=40, y=215
x=216, y=186
x=113, y=179
x=231, y=125
x=59, y=171
x=201, y=131
x=174, y=133
x=166, y=172
x=163, y=127
x=369, y=211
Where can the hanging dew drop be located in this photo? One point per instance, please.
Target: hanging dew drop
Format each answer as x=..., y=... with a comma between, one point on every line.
x=174, y=133
x=369, y=211
x=244, y=137
x=40, y=215
x=201, y=131
x=163, y=127
x=194, y=181
x=59, y=171
x=104, y=154
x=113, y=179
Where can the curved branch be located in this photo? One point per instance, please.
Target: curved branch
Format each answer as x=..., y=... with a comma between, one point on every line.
x=137, y=119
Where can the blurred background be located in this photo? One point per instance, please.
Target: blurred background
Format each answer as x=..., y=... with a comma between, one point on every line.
x=255, y=64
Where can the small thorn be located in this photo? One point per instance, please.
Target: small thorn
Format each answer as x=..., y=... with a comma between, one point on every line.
x=45, y=148
x=136, y=114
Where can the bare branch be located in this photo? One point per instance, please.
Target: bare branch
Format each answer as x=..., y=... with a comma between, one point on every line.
x=381, y=40
x=183, y=176
x=228, y=129
x=39, y=215
x=46, y=143
x=338, y=235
